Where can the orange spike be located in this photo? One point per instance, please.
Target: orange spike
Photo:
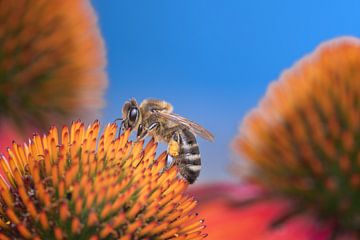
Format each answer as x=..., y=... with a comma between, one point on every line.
x=61, y=165
x=182, y=220
x=78, y=205
x=159, y=228
x=54, y=175
x=75, y=190
x=170, y=234
x=47, y=200
x=166, y=198
x=133, y=226
x=93, y=163
x=189, y=206
x=118, y=220
x=150, y=211
x=106, y=231
x=173, y=215
x=180, y=186
x=61, y=189
x=38, y=145
x=194, y=227
x=3, y=237
x=14, y=160
x=126, y=237
x=47, y=162
x=169, y=174
x=64, y=212
x=195, y=235
x=65, y=138
x=43, y=220
x=92, y=219
x=84, y=183
x=150, y=150
x=58, y=233
x=124, y=198
x=166, y=210
x=20, y=156
x=90, y=199
x=24, y=231
x=155, y=195
x=76, y=226
x=53, y=134
x=137, y=149
x=124, y=138
x=6, y=196
x=7, y=170
x=73, y=148
x=31, y=209
x=71, y=174
x=18, y=178
x=36, y=173
x=147, y=228
x=134, y=210
x=106, y=211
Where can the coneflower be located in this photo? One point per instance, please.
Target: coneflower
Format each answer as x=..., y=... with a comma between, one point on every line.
x=75, y=185
x=303, y=141
x=52, y=62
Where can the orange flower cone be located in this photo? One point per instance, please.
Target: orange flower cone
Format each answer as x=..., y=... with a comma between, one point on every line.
x=52, y=62
x=302, y=143
x=76, y=185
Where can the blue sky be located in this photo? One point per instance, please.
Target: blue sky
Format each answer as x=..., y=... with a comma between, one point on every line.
x=213, y=60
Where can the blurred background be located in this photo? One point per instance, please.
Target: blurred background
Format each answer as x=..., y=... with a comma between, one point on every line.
x=213, y=60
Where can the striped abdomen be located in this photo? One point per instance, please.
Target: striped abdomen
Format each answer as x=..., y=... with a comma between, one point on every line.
x=188, y=160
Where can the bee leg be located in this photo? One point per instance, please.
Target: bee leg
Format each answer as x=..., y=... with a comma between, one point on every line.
x=142, y=132
x=121, y=128
x=121, y=125
x=153, y=126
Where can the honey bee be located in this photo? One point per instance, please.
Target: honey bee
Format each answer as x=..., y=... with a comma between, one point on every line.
x=155, y=118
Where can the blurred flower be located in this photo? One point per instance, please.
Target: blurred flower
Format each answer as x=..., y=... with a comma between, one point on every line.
x=8, y=133
x=52, y=62
x=74, y=185
x=302, y=142
x=235, y=214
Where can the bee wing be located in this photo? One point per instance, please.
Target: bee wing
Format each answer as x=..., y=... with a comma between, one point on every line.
x=196, y=128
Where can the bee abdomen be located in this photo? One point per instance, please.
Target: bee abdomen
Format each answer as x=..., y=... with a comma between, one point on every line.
x=189, y=159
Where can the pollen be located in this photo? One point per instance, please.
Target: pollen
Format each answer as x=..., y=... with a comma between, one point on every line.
x=75, y=184
x=173, y=148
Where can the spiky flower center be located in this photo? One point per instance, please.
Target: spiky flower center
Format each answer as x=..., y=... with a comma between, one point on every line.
x=75, y=186
x=304, y=138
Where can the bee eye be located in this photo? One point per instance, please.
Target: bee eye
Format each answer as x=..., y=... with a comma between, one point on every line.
x=133, y=114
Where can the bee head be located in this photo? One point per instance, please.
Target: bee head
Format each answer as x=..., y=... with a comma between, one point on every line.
x=131, y=114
